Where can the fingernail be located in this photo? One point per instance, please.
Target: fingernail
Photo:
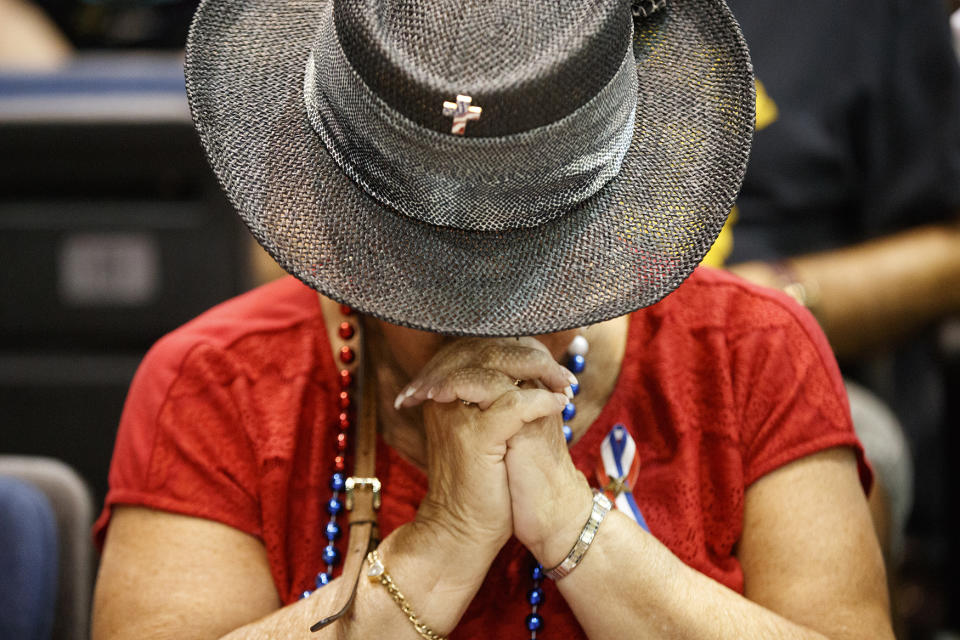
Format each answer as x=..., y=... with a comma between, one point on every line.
x=561, y=398
x=430, y=393
x=568, y=392
x=408, y=391
x=572, y=379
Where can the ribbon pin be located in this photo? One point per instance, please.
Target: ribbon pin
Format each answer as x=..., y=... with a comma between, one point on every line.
x=618, y=470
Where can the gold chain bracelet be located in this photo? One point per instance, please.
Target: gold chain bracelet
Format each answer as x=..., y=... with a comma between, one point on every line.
x=377, y=572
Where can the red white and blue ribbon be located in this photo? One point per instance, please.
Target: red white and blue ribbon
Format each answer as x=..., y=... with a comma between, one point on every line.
x=618, y=470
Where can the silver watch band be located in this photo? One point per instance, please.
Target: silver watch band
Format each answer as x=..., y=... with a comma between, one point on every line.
x=601, y=505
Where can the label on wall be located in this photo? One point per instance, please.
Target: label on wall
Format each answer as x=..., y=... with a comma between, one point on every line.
x=108, y=269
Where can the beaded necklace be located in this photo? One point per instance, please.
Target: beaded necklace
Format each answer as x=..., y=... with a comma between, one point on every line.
x=347, y=361
x=576, y=362
x=346, y=356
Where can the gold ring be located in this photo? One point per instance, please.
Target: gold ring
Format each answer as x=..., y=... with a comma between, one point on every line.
x=467, y=403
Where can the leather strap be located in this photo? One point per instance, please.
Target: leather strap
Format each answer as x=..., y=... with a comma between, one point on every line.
x=363, y=492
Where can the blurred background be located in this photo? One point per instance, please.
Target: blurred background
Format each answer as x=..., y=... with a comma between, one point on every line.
x=113, y=231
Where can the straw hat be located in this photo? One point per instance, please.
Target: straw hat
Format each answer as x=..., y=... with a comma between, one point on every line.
x=485, y=168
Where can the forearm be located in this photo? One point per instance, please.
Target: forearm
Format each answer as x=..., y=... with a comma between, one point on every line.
x=437, y=574
x=661, y=597
x=877, y=291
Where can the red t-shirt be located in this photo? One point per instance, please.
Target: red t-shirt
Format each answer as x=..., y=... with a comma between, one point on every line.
x=232, y=416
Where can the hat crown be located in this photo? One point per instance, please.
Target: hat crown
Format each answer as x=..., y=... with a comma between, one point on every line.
x=526, y=65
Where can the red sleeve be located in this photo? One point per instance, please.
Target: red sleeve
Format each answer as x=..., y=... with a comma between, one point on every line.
x=181, y=445
x=788, y=388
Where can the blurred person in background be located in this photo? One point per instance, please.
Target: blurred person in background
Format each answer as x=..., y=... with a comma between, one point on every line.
x=41, y=34
x=851, y=203
x=29, y=40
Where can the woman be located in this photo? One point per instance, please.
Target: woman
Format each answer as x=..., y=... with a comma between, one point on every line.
x=498, y=170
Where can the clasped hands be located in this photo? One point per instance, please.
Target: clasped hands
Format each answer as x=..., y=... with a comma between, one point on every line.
x=497, y=460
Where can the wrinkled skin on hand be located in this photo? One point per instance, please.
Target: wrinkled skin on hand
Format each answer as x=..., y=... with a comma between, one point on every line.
x=500, y=465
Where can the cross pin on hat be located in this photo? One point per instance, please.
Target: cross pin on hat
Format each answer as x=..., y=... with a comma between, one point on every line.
x=462, y=112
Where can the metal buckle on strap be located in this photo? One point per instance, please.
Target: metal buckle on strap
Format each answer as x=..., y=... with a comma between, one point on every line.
x=354, y=481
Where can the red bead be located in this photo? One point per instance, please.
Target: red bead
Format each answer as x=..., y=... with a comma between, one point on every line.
x=344, y=421
x=346, y=355
x=339, y=463
x=346, y=310
x=345, y=400
x=341, y=441
x=346, y=330
x=346, y=378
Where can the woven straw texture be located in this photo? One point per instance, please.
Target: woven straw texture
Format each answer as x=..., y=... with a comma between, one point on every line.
x=627, y=246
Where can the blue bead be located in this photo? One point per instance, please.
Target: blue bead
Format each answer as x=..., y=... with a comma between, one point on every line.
x=575, y=387
x=537, y=572
x=334, y=506
x=332, y=531
x=305, y=594
x=323, y=579
x=331, y=555
x=569, y=411
x=534, y=622
x=535, y=595
x=567, y=433
x=338, y=481
x=576, y=363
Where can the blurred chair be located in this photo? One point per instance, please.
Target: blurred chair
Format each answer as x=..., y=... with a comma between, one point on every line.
x=70, y=498
x=889, y=453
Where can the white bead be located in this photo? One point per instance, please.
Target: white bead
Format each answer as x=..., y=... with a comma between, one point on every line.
x=578, y=346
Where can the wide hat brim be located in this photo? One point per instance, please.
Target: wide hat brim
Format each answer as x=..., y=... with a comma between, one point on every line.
x=626, y=247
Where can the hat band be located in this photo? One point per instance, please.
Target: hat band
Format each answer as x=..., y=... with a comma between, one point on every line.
x=476, y=184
